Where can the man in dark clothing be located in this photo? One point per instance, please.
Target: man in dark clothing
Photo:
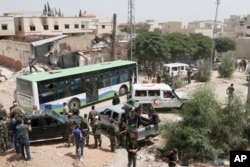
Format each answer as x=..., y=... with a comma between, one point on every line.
x=91, y=117
x=13, y=124
x=132, y=151
x=189, y=72
x=230, y=92
x=172, y=158
x=22, y=131
x=112, y=135
x=32, y=64
x=116, y=99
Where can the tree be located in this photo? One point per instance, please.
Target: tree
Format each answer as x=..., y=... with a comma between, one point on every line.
x=207, y=130
x=150, y=47
x=203, y=45
x=181, y=45
x=224, y=45
x=227, y=67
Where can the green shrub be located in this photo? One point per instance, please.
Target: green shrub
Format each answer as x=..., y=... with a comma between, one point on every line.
x=227, y=67
x=204, y=71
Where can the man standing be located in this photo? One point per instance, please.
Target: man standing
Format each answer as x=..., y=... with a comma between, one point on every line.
x=13, y=124
x=122, y=132
x=97, y=132
x=69, y=130
x=189, y=72
x=87, y=131
x=132, y=150
x=3, y=112
x=79, y=141
x=91, y=117
x=112, y=135
x=116, y=99
x=3, y=134
x=230, y=91
x=22, y=131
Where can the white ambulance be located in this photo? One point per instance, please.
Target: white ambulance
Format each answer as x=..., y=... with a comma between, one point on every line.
x=177, y=69
x=159, y=95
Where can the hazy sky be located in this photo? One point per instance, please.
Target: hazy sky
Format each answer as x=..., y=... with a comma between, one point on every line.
x=159, y=10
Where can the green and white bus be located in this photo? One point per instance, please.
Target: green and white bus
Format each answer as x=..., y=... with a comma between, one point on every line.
x=80, y=85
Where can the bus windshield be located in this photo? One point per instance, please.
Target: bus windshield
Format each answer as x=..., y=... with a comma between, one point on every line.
x=77, y=86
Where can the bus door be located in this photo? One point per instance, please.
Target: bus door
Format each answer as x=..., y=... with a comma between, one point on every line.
x=91, y=89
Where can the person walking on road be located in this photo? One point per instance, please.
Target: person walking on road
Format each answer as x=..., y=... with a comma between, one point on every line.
x=69, y=129
x=91, y=117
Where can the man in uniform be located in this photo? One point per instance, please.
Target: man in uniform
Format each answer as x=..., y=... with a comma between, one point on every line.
x=69, y=130
x=189, y=72
x=3, y=134
x=3, y=112
x=97, y=132
x=18, y=110
x=122, y=132
x=91, y=117
x=86, y=131
x=112, y=135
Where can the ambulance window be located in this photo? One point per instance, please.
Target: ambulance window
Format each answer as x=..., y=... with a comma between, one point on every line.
x=154, y=93
x=140, y=93
x=174, y=68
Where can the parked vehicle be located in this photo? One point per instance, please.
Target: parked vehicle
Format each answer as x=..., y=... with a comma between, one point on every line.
x=178, y=68
x=158, y=95
x=49, y=125
x=116, y=112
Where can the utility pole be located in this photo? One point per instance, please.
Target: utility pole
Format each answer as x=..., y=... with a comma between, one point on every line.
x=131, y=22
x=214, y=34
x=113, y=38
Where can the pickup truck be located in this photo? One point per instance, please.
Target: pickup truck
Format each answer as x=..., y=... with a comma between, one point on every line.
x=116, y=112
x=49, y=125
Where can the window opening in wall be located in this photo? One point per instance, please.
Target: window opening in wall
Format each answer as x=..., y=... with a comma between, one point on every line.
x=19, y=28
x=66, y=26
x=82, y=26
x=32, y=28
x=76, y=26
x=46, y=27
x=103, y=26
x=56, y=27
x=4, y=27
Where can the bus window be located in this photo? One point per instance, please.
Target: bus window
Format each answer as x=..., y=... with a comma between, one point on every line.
x=124, y=75
x=113, y=77
x=104, y=80
x=47, y=91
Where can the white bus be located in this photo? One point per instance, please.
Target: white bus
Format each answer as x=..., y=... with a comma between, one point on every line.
x=80, y=85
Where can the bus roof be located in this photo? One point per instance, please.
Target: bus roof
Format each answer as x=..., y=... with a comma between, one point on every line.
x=74, y=70
x=151, y=86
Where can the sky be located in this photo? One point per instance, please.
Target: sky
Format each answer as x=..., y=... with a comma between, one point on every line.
x=158, y=10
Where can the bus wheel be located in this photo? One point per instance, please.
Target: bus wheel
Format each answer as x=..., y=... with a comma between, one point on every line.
x=74, y=101
x=123, y=90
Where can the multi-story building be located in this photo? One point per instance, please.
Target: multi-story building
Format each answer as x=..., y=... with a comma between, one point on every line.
x=237, y=26
x=18, y=25
x=7, y=27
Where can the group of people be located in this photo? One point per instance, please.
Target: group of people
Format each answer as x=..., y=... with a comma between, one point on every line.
x=20, y=129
